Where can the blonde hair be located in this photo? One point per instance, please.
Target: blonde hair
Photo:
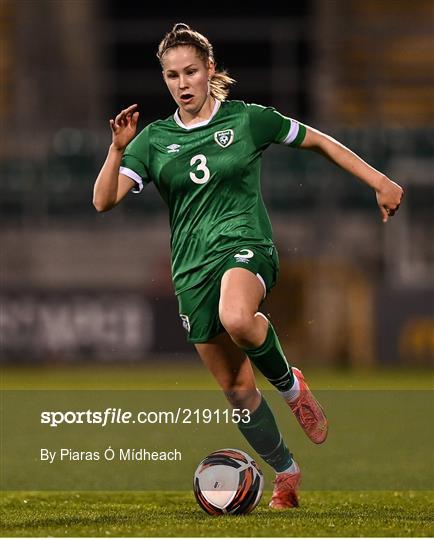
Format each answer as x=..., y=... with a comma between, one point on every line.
x=182, y=34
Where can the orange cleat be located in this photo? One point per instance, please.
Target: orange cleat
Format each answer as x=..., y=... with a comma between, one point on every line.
x=308, y=411
x=285, y=491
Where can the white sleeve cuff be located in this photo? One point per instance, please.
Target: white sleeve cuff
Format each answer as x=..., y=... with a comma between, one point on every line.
x=134, y=176
x=293, y=132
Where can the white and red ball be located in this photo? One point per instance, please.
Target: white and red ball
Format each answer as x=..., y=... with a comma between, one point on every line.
x=228, y=481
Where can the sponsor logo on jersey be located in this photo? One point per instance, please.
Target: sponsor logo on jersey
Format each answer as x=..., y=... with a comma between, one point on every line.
x=224, y=138
x=185, y=322
x=173, y=148
x=244, y=255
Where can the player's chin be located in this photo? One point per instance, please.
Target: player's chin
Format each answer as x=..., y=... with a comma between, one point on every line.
x=189, y=106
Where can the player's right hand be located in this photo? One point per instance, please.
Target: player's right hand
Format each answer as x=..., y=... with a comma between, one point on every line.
x=124, y=127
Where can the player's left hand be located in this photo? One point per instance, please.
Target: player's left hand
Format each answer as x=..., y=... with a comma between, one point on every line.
x=389, y=196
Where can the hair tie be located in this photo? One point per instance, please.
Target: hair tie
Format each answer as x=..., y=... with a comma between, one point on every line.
x=180, y=26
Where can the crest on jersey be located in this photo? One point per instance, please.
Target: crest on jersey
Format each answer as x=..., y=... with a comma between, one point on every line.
x=224, y=138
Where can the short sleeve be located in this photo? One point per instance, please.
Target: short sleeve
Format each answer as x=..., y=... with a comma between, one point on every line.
x=135, y=159
x=268, y=126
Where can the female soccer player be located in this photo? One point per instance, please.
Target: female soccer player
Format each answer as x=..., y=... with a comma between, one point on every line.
x=205, y=161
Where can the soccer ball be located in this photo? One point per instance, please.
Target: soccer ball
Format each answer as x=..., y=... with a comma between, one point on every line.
x=228, y=481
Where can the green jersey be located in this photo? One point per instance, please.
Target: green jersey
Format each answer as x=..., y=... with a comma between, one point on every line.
x=209, y=176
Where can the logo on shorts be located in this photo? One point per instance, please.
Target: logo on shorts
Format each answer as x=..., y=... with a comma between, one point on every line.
x=185, y=322
x=224, y=138
x=244, y=255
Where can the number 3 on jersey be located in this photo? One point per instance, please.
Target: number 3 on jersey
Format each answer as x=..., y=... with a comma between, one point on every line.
x=202, y=168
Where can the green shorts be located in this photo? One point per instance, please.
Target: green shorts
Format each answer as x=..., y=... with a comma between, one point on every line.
x=199, y=306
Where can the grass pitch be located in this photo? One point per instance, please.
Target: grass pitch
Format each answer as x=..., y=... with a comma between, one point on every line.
x=163, y=514
x=176, y=514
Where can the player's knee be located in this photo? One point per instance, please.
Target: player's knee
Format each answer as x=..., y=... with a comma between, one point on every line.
x=237, y=323
x=241, y=395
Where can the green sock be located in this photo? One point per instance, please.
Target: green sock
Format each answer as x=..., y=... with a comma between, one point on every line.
x=271, y=362
x=264, y=437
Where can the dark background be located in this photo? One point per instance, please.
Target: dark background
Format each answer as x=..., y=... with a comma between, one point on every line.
x=81, y=286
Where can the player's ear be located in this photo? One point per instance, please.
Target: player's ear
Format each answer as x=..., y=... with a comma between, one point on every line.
x=211, y=68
